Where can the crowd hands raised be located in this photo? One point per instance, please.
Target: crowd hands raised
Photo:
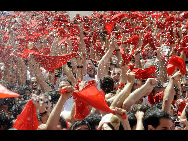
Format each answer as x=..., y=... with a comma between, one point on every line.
x=123, y=54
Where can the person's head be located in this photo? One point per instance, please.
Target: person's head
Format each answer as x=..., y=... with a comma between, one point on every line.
x=24, y=91
x=34, y=83
x=5, y=121
x=156, y=119
x=132, y=120
x=186, y=112
x=115, y=74
x=80, y=125
x=90, y=68
x=109, y=122
x=107, y=84
x=93, y=120
x=62, y=124
x=157, y=88
x=184, y=86
x=140, y=107
x=137, y=84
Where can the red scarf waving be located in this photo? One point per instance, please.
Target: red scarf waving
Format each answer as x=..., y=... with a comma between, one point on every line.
x=51, y=62
x=144, y=73
x=27, y=120
x=176, y=61
x=89, y=95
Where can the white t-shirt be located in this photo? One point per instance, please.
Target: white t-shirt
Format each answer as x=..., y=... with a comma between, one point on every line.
x=87, y=78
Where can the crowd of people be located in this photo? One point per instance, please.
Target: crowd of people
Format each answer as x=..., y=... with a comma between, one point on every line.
x=112, y=70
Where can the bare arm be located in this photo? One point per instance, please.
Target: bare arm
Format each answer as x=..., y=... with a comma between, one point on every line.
x=53, y=119
x=170, y=92
x=120, y=97
x=144, y=90
x=40, y=78
x=102, y=68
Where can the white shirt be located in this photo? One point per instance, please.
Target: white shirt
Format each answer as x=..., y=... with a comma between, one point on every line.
x=87, y=78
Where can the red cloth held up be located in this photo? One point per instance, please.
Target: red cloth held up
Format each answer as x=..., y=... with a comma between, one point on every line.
x=144, y=73
x=51, y=62
x=89, y=95
x=27, y=120
x=176, y=61
x=5, y=93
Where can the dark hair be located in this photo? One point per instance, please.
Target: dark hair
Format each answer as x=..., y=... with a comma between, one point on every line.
x=5, y=121
x=63, y=122
x=186, y=112
x=152, y=117
x=91, y=61
x=93, y=120
x=107, y=84
x=132, y=119
x=23, y=88
x=140, y=107
x=78, y=123
x=157, y=86
x=53, y=96
x=158, y=105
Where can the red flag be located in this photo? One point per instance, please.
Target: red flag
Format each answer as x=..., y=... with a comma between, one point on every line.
x=51, y=62
x=176, y=61
x=5, y=93
x=27, y=120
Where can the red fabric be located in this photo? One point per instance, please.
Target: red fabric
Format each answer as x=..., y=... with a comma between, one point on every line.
x=144, y=73
x=5, y=93
x=89, y=95
x=125, y=57
x=176, y=61
x=45, y=51
x=181, y=107
x=51, y=62
x=62, y=91
x=109, y=26
x=157, y=98
x=27, y=120
x=150, y=98
x=26, y=53
x=121, y=85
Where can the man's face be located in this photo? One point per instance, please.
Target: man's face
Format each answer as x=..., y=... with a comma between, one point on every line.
x=34, y=84
x=116, y=74
x=164, y=124
x=184, y=83
x=90, y=68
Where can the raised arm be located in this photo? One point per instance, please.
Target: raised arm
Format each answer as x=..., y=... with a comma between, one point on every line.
x=53, y=119
x=144, y=90
x=102, y=68
x=170, y=92
x=120, y=97
x=40, y=78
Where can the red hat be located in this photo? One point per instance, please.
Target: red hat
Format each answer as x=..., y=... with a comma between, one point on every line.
x=5, y=93
x=27, y=120
x=51, y=62
x=89, y=95
x=176, y=61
